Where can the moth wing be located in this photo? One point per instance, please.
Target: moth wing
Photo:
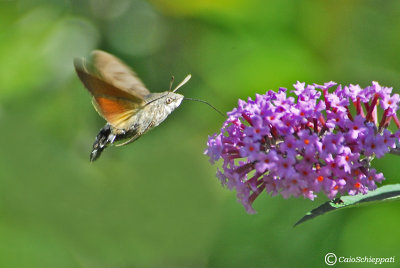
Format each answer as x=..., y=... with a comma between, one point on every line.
x=113, y=104
x=115, y=72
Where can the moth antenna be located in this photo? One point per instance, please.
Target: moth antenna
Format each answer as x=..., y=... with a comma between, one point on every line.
x=170, y=83
x=218, y=111
x=187, y=78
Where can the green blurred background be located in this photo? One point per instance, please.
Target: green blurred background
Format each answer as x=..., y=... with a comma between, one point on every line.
x=157, y=202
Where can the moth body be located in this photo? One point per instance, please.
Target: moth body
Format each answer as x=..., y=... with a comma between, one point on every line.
x=121, y=98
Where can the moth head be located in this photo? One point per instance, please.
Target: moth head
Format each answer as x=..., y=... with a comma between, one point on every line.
x=172, y=101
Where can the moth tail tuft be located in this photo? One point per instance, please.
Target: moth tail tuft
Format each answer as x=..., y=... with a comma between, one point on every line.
x=101, y=142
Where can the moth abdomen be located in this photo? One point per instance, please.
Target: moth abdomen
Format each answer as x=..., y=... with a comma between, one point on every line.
x=102, y=139
x=106, y=136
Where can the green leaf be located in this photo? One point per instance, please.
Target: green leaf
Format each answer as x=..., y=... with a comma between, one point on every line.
x=384, y=193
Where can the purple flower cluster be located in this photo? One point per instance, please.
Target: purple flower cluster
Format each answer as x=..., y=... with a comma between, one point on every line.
x=323, y=138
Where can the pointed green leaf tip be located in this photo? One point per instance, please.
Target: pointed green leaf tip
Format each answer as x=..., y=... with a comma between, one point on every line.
x=384, y=193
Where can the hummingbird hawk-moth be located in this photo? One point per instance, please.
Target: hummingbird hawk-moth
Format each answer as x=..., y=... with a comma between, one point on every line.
x=122, y=99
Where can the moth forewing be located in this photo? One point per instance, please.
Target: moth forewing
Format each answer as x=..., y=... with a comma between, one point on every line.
x=115, y=72
x=112, y=103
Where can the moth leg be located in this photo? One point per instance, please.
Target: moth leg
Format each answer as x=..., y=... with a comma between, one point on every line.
x=135, y=137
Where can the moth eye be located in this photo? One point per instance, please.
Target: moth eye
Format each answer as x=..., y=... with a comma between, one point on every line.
x=168, y=100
